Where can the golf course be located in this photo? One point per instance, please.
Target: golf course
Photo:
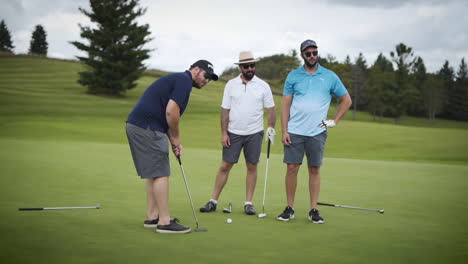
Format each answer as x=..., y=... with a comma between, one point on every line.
x=62, y=147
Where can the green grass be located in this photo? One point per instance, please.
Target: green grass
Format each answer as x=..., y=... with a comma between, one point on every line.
x=62, y=147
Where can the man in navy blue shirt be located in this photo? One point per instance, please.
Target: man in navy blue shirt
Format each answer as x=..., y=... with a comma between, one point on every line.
x=153, y=120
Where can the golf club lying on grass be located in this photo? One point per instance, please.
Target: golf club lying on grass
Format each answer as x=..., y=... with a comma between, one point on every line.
x=59, y=208
x=263, y=214
x=351, y=207
x=226, y=210
x=198, y=229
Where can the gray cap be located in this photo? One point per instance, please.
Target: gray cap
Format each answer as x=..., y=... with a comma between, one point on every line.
x=308, y=43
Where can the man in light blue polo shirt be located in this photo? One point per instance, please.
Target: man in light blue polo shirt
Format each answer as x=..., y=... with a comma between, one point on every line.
x=307, y=94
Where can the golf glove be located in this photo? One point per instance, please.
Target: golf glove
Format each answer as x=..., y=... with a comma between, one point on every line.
x=327, y=123
x=271, y=135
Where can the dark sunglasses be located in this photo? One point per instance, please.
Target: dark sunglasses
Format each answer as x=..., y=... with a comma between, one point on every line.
x=307, y=54
x=246, y=66
x=207, y=76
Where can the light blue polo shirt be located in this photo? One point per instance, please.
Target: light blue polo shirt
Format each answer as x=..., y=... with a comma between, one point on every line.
x=312, y=94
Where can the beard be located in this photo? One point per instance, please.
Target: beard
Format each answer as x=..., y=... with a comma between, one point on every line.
x=248, y=75
x=310, y=65
x=196, y=85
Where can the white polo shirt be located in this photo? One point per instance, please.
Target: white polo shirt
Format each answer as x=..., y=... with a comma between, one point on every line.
x=246, y=103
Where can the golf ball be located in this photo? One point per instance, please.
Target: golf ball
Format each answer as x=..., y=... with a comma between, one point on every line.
x=229, y=220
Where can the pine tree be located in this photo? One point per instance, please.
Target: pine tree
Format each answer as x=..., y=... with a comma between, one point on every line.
x=358, y=76
x=459, y=98
x=403, y=58
x=381, y=87
x=5, y=38
x=39, y=43
x=115, y=50
x=448, y=76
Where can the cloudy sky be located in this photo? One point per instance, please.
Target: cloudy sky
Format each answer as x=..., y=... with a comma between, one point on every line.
x=184, y=31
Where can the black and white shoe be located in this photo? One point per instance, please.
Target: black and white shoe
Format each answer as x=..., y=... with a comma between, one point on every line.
x=148, y=223
x=287, y=214
x=315, y=217
x=209, y=207
x=249, y=209
x=173, y=228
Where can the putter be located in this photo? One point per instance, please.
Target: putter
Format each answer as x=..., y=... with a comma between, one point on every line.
x=59, y=208
x=263, y=214
x=198, y=229
x=226, y=210
x=352, y=207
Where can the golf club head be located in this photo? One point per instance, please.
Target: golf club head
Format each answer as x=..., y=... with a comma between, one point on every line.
x=381, y=211
x=98, y=206
x=226, y=210
x=200, y=229
x=262, y=215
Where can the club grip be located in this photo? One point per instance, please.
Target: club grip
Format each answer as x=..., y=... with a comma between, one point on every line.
x=179, y=160
x=31, y=209
x=268, y=149
x=327, y=204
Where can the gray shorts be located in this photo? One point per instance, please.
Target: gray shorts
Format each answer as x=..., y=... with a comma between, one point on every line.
x=313, y=147
x=150, y=151
x=252, y=145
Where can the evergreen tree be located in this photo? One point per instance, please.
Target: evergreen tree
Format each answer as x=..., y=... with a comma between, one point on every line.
x=459, y=101
x=5, y=38
x=381, y=87
x=39, y=43
x=448, y=76
x=358, y=87
x=403, y=58
x=462, y=74
x=414, y=97
x=115, y=50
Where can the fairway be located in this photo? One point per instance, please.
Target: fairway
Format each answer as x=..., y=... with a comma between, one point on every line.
x=62, y=147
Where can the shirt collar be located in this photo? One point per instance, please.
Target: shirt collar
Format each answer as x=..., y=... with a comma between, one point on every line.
x=319, y=70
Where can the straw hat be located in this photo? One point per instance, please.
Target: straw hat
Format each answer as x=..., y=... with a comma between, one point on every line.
x=246, y=57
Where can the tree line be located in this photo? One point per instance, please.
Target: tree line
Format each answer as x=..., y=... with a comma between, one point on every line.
x=392, y=86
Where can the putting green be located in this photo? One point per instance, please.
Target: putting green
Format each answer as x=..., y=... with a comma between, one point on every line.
x=423, y=222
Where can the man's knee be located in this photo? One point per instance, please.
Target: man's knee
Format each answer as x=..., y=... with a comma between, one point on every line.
x=292, y=169
x=225, y=167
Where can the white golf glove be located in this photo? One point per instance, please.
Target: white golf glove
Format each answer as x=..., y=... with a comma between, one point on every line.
x=327, y=123
x=271, y=135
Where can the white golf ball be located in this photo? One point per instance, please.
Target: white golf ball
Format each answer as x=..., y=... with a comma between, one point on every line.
x=229, y=220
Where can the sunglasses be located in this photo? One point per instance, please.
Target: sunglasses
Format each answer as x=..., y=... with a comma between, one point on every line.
x=246, y=66
x=207, y=76
x=307, y=54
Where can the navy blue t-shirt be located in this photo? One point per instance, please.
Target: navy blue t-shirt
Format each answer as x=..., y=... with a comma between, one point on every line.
x=150, y=110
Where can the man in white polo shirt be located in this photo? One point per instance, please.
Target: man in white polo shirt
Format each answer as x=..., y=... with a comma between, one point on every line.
x=245, y=98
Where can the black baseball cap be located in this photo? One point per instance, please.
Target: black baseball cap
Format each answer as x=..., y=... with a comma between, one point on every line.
x=206, y=66
x=308, y=43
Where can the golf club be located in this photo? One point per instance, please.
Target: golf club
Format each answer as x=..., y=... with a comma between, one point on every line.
x=198, y=229
x=59, y=208
x=263, y=214
x=351, y=207
x=226, y=210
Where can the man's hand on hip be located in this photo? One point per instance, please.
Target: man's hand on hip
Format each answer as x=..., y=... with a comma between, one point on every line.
x=327, y=123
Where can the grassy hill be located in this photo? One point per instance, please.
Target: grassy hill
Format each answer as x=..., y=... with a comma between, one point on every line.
x=43, y=95
x=62, y=147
